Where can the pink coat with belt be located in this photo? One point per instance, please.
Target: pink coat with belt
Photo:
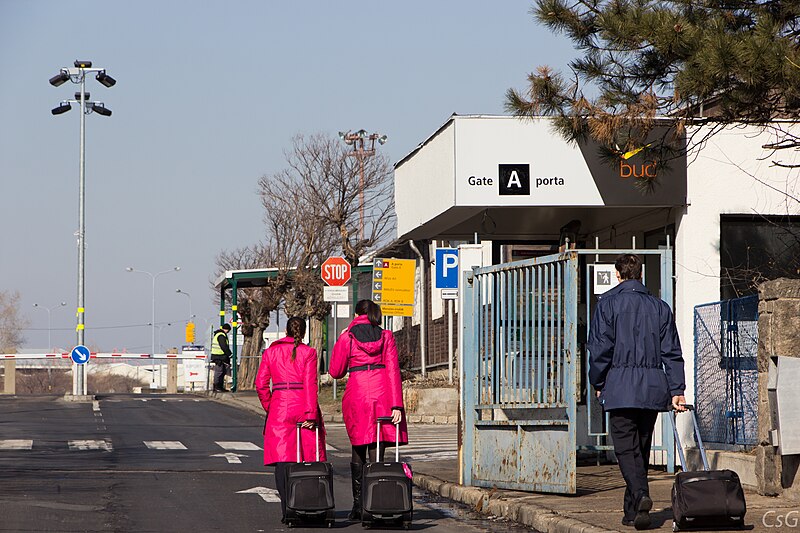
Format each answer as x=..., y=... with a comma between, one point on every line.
x=371, y=392
x=291, y=399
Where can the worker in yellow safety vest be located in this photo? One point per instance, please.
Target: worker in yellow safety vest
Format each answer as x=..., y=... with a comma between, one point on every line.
x=221, y=357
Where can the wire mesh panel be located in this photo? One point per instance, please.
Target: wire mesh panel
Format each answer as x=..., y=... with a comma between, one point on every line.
x=726, y=376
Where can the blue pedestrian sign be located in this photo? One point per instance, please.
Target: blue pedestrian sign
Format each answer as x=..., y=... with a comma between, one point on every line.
x=80, y=354
x=447, y=268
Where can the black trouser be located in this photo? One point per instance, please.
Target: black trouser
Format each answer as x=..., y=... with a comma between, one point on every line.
x=221, y=369
x=280, y=481
x=366, y=453
x=632, y=433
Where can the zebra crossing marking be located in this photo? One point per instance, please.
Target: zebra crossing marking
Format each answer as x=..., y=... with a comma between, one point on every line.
x=164, y=444
x=84, y=445
x=237, y=446
x=16, y=444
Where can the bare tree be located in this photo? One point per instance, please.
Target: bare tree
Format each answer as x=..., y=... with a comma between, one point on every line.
x=11, y=322
x=301, y=240
x=312, y=209
x=330, y=185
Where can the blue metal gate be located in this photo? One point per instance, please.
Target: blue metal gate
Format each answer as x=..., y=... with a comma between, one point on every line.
x=521, y=362
x=520, y=385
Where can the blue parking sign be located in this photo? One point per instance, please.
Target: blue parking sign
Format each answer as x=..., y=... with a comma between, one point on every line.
x=447, y=268
x=80, y=354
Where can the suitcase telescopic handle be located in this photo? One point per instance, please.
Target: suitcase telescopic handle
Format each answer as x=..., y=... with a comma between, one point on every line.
x=690, y=408
x=316, y=440
x=388, y=419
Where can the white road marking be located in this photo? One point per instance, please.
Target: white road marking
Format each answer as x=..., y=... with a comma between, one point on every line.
x=233, y=458
x=83, y=445
x=237, y=446
x=267, y=494
x=164, y=444
x=16, y=444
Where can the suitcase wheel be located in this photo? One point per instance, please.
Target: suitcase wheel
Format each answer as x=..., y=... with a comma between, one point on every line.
x=330, y=523
x=406, y=525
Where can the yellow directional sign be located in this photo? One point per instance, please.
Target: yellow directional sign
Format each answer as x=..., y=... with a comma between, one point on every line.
x=393, y=283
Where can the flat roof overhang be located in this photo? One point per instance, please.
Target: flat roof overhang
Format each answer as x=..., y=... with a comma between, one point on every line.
x=525, y=222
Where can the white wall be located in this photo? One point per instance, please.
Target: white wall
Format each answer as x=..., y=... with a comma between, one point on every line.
x=424, y=185
x=732, y=174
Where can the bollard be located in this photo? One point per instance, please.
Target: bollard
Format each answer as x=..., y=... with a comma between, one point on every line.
x=172, y=376
x=10, y=385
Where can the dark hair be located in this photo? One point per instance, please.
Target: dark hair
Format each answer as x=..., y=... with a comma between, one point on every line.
x=225, y=327
x=296, y=328
x=371, y=309
x=629, y=266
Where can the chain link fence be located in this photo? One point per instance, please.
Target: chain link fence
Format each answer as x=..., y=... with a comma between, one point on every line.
x=726, y=376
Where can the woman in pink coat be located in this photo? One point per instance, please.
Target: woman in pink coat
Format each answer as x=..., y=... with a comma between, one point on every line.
x=373, y=390
x=291, y=366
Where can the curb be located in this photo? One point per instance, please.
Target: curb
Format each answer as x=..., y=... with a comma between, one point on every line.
x=492, y=502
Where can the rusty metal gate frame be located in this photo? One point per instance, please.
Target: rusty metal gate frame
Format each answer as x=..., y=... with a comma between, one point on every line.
x=520, y=374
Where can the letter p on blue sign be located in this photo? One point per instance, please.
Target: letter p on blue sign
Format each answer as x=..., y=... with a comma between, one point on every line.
x=446, y=268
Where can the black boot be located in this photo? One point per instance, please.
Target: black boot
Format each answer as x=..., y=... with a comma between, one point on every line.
x=356, y=470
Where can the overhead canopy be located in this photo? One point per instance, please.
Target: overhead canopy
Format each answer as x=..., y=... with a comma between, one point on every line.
x=511, y=178
x=246, y=279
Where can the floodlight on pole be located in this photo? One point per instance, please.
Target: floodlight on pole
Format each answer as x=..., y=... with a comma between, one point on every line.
x=361, y=151
x=77, y=75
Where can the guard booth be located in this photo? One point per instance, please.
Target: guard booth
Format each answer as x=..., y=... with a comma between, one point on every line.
x=526, y=368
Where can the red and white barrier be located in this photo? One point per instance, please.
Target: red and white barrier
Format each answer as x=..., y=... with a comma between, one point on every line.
x=93, y=355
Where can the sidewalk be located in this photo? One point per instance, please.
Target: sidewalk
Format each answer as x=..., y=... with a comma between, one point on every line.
x=596, y=508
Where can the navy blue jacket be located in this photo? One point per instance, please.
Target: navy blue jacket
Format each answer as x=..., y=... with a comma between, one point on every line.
x=635, y=355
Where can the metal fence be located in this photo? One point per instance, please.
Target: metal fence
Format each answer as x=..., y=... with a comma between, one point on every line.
x=726, y=375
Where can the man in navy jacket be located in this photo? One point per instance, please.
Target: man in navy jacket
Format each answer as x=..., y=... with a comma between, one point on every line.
x=636, y=369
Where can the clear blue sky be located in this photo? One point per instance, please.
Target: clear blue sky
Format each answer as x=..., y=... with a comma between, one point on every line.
x=207, y=100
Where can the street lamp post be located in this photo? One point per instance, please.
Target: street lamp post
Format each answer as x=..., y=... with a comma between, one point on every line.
x=153, y=277
x=49, y=309
x=190, y=302
x=77, y=75
x=358, y=141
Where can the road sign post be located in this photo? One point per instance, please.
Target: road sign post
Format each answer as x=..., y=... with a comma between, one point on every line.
x=447, y=274
x=335, y=272
x=393, y=285
x=80, y=354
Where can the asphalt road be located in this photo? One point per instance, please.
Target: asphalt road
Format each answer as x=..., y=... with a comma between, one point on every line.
x=161, y=463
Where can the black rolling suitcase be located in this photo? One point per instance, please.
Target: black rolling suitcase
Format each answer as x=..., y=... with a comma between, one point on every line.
x=705, y=499
x=386, y=488
x=309, y=489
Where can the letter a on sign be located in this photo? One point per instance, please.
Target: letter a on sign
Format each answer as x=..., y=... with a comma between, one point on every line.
x=514, y=179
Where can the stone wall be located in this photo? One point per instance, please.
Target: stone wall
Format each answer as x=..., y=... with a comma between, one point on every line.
x=778, y=335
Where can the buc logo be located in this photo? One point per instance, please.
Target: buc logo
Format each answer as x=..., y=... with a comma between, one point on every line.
x=514, y=180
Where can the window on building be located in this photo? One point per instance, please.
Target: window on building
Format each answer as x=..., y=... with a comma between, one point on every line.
x=756, y=248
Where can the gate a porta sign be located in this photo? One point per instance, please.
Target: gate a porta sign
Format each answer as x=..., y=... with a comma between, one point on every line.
x=80, y=354
x=335, y=271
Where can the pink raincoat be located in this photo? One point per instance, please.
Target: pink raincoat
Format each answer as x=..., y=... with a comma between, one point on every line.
x=372, y=392
x=292, y=398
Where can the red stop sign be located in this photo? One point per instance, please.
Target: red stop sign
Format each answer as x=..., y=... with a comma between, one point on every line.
x=336, y=271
